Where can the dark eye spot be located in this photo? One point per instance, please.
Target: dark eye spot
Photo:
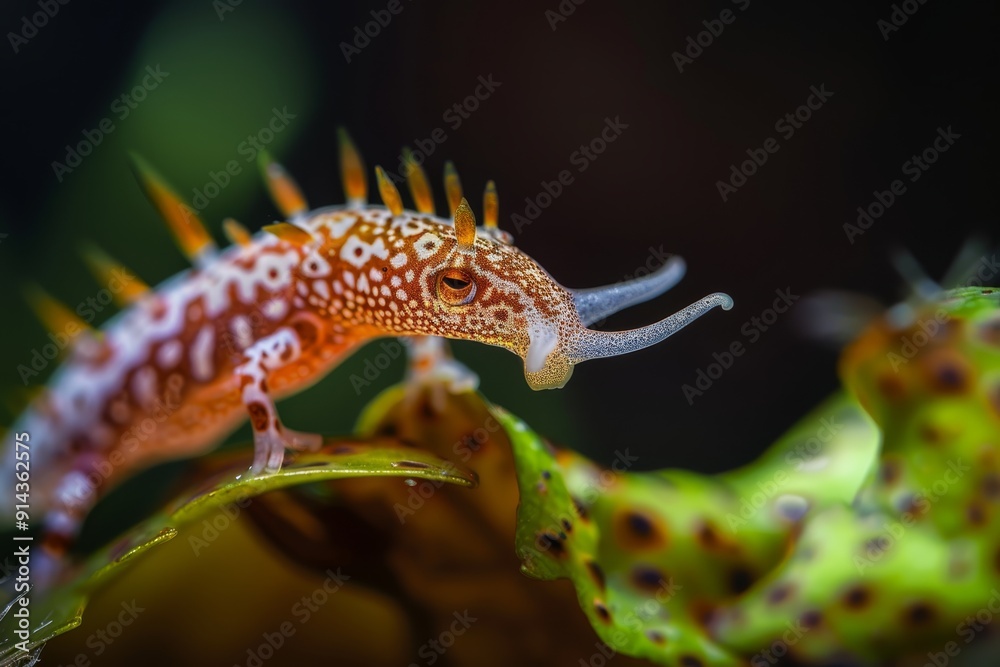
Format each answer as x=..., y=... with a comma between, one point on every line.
x=313, y=266
x=385, y=269
x=455, y=283
x=358, y=252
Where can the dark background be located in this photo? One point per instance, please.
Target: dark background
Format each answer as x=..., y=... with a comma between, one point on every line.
x=655, y=185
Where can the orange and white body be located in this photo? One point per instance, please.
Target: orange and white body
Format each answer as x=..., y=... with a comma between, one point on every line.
x=189, y=361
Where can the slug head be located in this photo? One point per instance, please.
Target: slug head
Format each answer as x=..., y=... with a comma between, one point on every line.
x=428, y=277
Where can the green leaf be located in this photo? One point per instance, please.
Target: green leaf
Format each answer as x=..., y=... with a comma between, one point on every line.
x=62, y=609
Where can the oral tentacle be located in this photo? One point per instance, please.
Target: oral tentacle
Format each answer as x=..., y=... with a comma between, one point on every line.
x=590, y=344
x=596, y=303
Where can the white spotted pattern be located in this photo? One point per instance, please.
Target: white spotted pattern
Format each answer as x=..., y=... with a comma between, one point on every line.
x=201, y=354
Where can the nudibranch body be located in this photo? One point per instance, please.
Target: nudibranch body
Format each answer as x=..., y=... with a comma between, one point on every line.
x=188, y=361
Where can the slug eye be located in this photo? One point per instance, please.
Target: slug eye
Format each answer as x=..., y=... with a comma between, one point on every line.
x=455, y=287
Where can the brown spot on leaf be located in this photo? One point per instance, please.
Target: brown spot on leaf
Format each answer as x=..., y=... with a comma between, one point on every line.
x=919, y=614
x=602, y=611
x=647, y=578
x=857, y=597
x=989, y=331
x=976, y=514
x=550, y=543
x=740, y=580
x=708, y=536
x=638, y=530
x=889, y=471
x=780, y=593
x=596, y=573
x=991, y=486
x=811, y=619
x=947, y=373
